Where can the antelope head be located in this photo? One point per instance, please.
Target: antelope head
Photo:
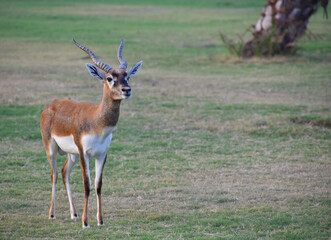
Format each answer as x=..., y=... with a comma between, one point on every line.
x=116, y=80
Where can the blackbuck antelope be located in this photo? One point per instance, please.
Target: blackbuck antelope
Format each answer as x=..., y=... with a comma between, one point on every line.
x=83, y=130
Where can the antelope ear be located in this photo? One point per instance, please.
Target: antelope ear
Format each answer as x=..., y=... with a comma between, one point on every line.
x=94, y=71
x=134, y=70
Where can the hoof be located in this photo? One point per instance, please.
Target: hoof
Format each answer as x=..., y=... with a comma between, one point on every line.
x=86, y=226
x=74, y=217
x=101, y=224
x=52, y=217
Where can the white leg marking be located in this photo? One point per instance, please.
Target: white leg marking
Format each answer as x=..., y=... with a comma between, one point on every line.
x=88, y=168
x=98, y=172
x=53, y=159
x=72, y=161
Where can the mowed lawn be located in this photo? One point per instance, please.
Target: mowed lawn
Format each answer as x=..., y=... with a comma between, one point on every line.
x=208, y=147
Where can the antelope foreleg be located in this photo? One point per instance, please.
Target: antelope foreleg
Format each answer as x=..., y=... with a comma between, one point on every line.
x=99, y=165
x=84, y=165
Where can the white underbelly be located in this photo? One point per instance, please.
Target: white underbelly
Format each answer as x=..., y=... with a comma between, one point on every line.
x=67, y=144
x=94, y=145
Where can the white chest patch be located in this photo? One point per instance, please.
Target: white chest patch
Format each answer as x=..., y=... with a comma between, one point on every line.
x=96, y=145
x=66, y=144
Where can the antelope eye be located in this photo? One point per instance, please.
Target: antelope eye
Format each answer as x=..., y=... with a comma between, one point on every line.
x=109, y=79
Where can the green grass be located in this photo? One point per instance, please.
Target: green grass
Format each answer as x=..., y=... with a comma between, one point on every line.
x=169, y=3
x=14, y=117
x=209, y=146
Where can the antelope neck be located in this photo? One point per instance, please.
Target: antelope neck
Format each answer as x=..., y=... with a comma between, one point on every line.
x=109, y=109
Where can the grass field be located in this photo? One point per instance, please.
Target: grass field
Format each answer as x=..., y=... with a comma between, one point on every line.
x=209, y=146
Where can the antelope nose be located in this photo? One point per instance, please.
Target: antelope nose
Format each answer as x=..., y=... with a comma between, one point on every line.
x=126, y=90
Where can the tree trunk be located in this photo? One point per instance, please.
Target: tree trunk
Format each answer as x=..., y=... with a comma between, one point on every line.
x=281, y=23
